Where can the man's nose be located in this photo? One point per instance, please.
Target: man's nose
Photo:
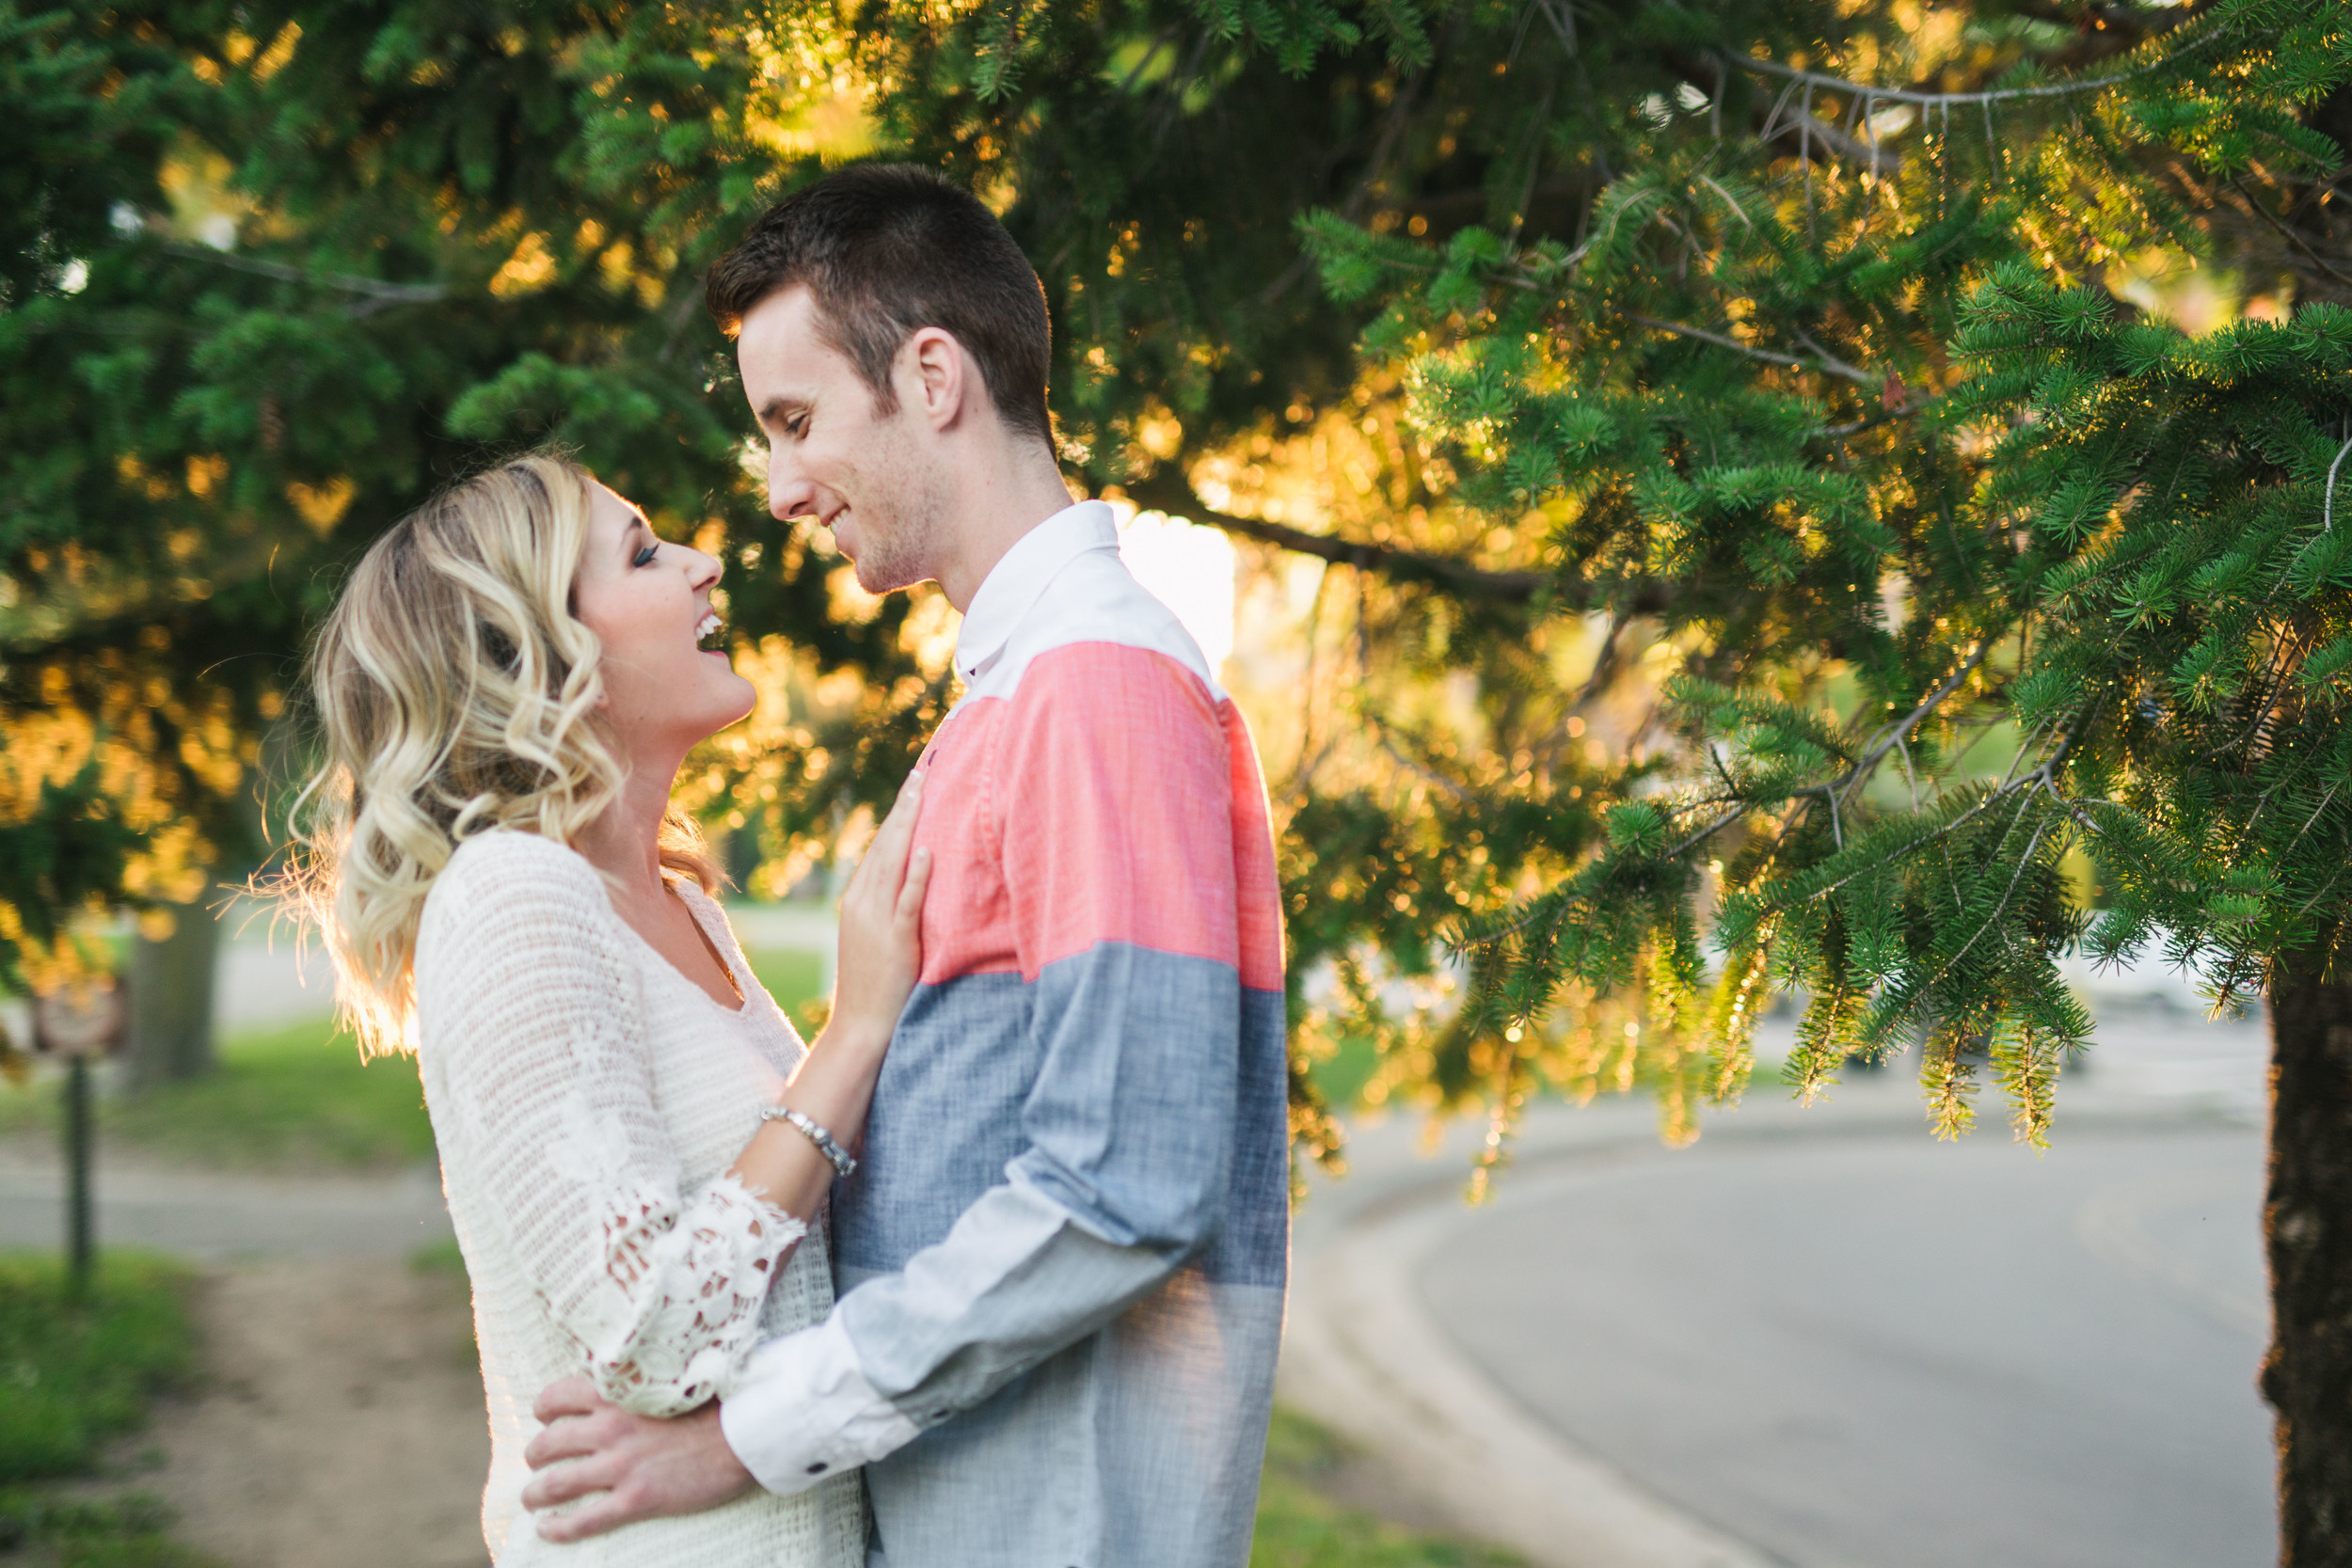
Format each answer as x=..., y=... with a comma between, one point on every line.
x=789, y=495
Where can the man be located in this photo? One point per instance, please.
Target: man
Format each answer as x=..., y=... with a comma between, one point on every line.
x=1061, y=1259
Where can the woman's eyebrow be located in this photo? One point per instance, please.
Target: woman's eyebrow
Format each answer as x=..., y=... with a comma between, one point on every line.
x=637, y=525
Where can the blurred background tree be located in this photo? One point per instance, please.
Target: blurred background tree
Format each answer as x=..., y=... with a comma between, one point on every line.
x=1731, y=499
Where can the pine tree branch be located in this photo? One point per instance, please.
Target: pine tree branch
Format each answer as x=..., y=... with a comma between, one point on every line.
x=2317, y=812
x=1830, y=362
x=1809, y=129
x=1812, y=134
x=1936, y=100
x=374, y=288
x=1647, y=597
x=2254, y=203
x=1709, y=831
x=1825, y=363
x=2024, y=860
x=1889, y=738
x=1835, y=790
x=1854, y=427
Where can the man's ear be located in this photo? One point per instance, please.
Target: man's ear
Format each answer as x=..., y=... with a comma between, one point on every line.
x=936, y=377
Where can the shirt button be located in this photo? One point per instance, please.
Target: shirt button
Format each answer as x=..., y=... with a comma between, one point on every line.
x=817, y=1469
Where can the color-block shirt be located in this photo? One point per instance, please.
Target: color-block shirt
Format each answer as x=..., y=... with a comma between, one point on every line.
x=1061, y=1262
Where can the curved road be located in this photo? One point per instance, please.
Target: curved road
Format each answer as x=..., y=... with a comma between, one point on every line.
x=1818, y=1338
x=1877, y=1352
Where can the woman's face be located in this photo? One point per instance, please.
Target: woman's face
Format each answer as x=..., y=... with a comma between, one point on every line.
x=667, y=680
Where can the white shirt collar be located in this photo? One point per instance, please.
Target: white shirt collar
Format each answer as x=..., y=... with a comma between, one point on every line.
x=1010, y=589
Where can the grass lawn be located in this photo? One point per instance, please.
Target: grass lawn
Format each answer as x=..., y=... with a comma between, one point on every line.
x=73, y=1377
x=795, y=978
x=299, y=1098
x=1301, y=1525
x=296, y=1098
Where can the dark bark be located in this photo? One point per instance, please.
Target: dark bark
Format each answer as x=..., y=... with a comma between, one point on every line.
x=170, y=1034
x=1644, y=597
x=2307, y=1229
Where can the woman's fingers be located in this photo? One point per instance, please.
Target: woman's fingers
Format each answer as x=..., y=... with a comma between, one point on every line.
x=880, y=945
x=879, y=873
x=897, y=828
x=918, y=878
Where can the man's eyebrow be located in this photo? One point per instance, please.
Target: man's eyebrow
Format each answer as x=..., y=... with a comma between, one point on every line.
x=775, y=408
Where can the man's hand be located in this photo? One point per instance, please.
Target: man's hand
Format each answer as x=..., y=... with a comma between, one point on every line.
x=646, y=1469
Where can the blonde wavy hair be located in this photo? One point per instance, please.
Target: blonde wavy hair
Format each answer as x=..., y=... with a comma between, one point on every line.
x=454, y=691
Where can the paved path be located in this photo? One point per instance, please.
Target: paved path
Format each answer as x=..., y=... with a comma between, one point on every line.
x=213, y=1218
x=1875, y=1353
x=339, y=1423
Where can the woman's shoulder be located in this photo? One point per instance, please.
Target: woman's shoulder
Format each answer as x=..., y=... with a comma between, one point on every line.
x=503, y=870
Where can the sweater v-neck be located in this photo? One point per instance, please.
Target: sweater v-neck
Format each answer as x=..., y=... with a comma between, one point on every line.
x=743, y=995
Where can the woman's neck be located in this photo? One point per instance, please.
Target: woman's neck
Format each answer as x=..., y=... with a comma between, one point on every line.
x=625, y=840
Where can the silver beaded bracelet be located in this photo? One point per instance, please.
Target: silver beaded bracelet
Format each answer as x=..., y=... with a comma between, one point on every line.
x=842, y=1164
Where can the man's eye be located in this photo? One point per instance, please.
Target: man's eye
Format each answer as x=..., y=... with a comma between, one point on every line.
x=644, y=557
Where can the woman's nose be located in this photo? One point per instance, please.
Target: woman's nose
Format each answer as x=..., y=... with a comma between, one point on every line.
x=703, y=570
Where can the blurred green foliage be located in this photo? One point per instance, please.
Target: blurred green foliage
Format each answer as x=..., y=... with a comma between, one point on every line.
x=1640, y=375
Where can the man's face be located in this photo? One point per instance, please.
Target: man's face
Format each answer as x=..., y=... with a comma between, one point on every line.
x=872, y=480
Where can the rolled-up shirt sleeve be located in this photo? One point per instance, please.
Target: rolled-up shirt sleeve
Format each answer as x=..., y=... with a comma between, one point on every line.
x=1110, y=787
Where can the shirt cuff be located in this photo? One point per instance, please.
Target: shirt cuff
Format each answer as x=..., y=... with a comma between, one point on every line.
x=802, y=1410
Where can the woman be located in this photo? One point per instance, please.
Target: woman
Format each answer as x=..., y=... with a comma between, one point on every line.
x=635, y=1144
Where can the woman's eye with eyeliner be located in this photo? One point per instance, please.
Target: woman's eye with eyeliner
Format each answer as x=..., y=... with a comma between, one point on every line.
x=644, y=557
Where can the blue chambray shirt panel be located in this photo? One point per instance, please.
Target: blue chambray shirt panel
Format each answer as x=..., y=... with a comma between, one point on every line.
x=1129, y=1124
x=1253, y=1243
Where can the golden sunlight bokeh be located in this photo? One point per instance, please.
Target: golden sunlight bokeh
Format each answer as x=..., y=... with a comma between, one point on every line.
x=1188, y=568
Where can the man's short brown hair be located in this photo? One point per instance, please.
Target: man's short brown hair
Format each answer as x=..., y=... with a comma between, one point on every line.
x=887, y=249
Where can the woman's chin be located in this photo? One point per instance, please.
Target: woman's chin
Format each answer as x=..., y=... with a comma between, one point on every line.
x=722, y=700
x=746, y=699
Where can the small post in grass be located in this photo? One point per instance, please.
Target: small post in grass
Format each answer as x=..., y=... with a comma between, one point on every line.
x=81, y=1022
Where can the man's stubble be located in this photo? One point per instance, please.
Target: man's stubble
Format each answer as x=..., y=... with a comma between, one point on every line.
x=902, y=511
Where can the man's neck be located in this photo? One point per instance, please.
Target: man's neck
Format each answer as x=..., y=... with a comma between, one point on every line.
x=999, y=510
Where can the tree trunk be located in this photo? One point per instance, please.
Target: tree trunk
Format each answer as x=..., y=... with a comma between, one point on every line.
x=2307, y=1229
x=170, y=1035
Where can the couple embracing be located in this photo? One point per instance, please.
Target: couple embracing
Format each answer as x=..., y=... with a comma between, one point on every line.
x=991, y=1272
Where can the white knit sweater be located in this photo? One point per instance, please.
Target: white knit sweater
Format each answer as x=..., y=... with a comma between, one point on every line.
x=588, y=1100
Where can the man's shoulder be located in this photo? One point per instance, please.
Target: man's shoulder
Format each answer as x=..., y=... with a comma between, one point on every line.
x=1095, y=622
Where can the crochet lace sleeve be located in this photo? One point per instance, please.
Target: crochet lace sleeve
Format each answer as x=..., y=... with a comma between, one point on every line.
x=532, y=1027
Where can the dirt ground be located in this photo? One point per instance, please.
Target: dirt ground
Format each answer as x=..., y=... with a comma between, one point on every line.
x=340, y=1424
